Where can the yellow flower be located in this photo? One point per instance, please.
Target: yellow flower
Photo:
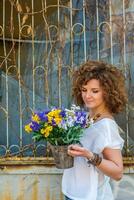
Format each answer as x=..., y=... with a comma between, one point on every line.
x=50, y=128
x=58, y=120
x=50, y=119
x=46, y=131
x=42, y=131
x=35, y=118
x=54, y=114
x=47, y=134
x=28, y=129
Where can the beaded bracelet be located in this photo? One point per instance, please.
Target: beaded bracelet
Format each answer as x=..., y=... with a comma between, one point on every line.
x=95, y=160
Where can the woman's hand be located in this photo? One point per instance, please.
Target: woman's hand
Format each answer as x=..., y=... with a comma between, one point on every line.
x=76, y=150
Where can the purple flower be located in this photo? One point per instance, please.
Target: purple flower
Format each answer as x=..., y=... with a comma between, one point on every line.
x=42, y=116
x=35, y=126
x=53, y=122
x=80, y=118
x=63, y=113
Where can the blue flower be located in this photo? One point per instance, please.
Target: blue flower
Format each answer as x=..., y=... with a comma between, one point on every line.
x=53, y=122
x=63, y=113
x=80, y=119
x=42, y=116
x=35, y=126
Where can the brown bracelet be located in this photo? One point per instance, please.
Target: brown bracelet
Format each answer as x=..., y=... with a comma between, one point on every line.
x=96, y=160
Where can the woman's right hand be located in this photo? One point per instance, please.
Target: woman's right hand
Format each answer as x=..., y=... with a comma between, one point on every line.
x=76, y=150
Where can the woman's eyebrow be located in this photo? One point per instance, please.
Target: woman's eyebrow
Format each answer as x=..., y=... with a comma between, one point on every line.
x=90, y=88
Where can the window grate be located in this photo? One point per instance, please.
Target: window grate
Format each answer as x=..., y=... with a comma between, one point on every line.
x=40, y=45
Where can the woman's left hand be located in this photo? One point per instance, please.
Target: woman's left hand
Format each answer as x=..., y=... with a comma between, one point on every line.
x=76, y=150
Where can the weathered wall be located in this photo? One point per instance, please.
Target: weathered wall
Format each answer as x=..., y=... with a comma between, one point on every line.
x=124, y=189
x=30, y=183
x=44, y=183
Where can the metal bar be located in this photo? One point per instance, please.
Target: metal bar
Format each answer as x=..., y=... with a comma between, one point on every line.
x=111, y=35
x=125, y=68
x=97, y=31
x=7, y=95
x=71, y=34
x=35, y=41
x=0, y=85
x=19, y=79
x=124, y=35
x=33, y=51
x=84, y=24
x=48, y=41
x=59, y=57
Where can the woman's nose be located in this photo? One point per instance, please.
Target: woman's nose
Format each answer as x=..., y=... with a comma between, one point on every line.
x=88, y=94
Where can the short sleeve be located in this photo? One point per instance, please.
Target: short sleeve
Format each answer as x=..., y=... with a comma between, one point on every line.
x=108, y=136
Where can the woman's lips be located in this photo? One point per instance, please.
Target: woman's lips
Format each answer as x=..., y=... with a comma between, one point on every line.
x=89, y=101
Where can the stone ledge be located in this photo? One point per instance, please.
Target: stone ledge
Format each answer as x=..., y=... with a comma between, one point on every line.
x=48, y=163
x=30, y=170
x=128, y=161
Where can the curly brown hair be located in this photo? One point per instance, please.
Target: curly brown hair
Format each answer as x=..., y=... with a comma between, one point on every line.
x=111, y=80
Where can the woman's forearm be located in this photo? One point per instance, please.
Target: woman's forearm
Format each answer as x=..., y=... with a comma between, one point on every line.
x=111, y=169
x=111, y=164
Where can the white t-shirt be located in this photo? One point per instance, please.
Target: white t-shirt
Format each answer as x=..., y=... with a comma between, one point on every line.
x=84, y=182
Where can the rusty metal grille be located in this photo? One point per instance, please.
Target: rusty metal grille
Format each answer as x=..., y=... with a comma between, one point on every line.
x=41, y=42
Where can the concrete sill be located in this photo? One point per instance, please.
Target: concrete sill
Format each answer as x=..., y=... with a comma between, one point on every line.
x=128, y=161
x=47, y=161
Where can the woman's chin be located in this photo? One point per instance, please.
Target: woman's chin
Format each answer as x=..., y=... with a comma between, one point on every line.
x=89, y=106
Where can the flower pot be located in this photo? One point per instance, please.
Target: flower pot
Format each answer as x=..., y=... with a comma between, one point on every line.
x=61, y=158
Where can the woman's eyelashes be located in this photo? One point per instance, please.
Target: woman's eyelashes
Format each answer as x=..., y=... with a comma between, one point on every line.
x=95, y=91
x=83, y=90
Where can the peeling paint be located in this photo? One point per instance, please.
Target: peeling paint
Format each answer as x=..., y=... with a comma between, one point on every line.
x=47, y=196
x=7, y=192
x=30, y=183
x=37, y=183
x=21, y=190
x=35, y=190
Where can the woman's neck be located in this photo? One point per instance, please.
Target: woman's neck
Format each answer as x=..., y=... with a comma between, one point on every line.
x=101, y=112
x=98, y=115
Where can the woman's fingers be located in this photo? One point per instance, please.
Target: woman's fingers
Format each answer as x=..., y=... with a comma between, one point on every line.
x=73, y=153
x=76, y=148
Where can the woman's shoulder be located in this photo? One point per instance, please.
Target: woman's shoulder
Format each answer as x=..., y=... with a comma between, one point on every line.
x=106, y=122
x=106, y=126
x=108, y=135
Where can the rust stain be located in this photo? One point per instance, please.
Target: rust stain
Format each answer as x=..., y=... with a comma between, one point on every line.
x=61, y=196
x=35, y=190
x=6, y=197
x=21, y=196
x=53, y=196
x=7, y=193
x=24, y=188
x=47, y=194
x=47, y=190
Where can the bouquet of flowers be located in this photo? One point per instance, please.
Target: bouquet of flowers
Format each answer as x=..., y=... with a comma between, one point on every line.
x=58, y=126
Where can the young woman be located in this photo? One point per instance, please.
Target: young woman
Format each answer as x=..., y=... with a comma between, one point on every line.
x=99, y=87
